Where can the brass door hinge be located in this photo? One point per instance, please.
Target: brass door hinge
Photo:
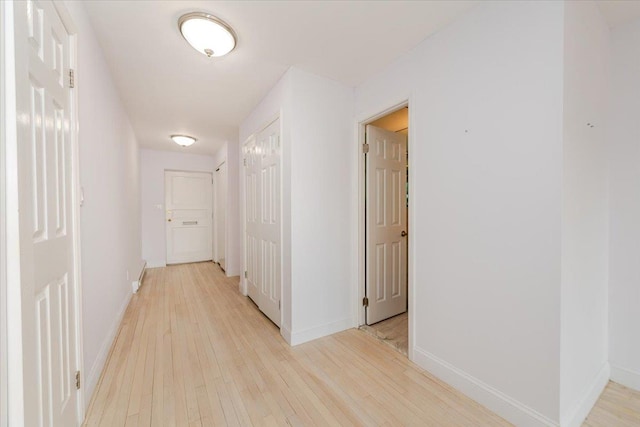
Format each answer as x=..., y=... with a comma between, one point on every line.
x=77, y=380
x=365, y=301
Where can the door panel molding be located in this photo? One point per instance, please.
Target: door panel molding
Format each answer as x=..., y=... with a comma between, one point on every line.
x=46, y=341
x=386, y=231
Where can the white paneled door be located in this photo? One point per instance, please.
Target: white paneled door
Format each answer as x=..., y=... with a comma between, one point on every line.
x=263, y=219
x=386, y=284
x=48, y=259
x=188, y=216
x=220, y=216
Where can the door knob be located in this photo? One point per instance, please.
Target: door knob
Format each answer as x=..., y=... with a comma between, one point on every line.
x=403, y=234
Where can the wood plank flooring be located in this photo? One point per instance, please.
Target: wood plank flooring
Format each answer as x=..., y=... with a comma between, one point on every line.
x=192, y=351
x=618, y=406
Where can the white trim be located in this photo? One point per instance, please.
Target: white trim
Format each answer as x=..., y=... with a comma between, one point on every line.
x=4, y=387
x=579, y=412
x=626, y=377
x=507, y=407
x=15, y=407
x=310, y=334
x=96, y=370
x=285, y=331
x=156, y=264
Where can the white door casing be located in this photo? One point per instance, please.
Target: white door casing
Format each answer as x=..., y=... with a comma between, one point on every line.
x=220, y=216
x=251, y=170
x=263, y=220
x=48, y=259
x=188, y=216
x=386, y=222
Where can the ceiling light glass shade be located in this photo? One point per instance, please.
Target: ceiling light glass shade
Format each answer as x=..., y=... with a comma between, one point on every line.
x=183, y=140
x=207, y=34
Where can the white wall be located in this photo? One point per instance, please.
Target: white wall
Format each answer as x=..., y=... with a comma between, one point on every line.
x=624, y=140
x=153, y=163
x=584, y=349
x=322, y=201
x=485, y=135
x=110, y=216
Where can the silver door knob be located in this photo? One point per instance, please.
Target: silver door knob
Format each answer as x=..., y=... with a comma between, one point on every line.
x=403, y=234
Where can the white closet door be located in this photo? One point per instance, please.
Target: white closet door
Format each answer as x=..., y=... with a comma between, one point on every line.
x=263, y=220
x=188, y=220
x=47, y=257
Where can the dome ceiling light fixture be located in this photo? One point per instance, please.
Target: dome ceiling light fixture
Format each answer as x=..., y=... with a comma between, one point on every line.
x=207, y=34
x=183, y=140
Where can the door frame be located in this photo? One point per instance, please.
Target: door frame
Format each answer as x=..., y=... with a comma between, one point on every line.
x=3, y=227
x=360, y=284
x=214, y=210
x=11, y=259
x=244, y=286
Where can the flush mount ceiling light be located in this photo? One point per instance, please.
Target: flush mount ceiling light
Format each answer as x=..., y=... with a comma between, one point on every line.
x=207, y=34
x=183, y=140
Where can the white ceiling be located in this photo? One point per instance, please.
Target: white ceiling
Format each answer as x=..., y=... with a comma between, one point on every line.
x=167, y=87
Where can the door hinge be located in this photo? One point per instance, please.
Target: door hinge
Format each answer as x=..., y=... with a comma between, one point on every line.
x=245, y=162
x=72, y=79
x=278, y=304
x=245, y=275
x=365, y=301
x=77, y=380
x=365, y=148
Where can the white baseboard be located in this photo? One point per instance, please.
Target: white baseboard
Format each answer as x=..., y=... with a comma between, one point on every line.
x=91, y=380
x=510, y=409
x=156, y=264
x=310, y=334
x=576, y=415
x=625, y=377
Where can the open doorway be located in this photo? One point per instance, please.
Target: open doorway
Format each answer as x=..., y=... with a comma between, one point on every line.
x=386, y=228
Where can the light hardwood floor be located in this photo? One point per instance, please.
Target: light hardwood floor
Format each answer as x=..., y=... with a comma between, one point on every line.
x=192, y=351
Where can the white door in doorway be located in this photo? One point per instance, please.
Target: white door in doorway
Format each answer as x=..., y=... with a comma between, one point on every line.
x=263, y=219
x=45, y=190
x=386, y=284
x=220, y=216
x=188, y=216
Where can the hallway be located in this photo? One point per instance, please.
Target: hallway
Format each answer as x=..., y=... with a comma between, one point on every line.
x=192, y=351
